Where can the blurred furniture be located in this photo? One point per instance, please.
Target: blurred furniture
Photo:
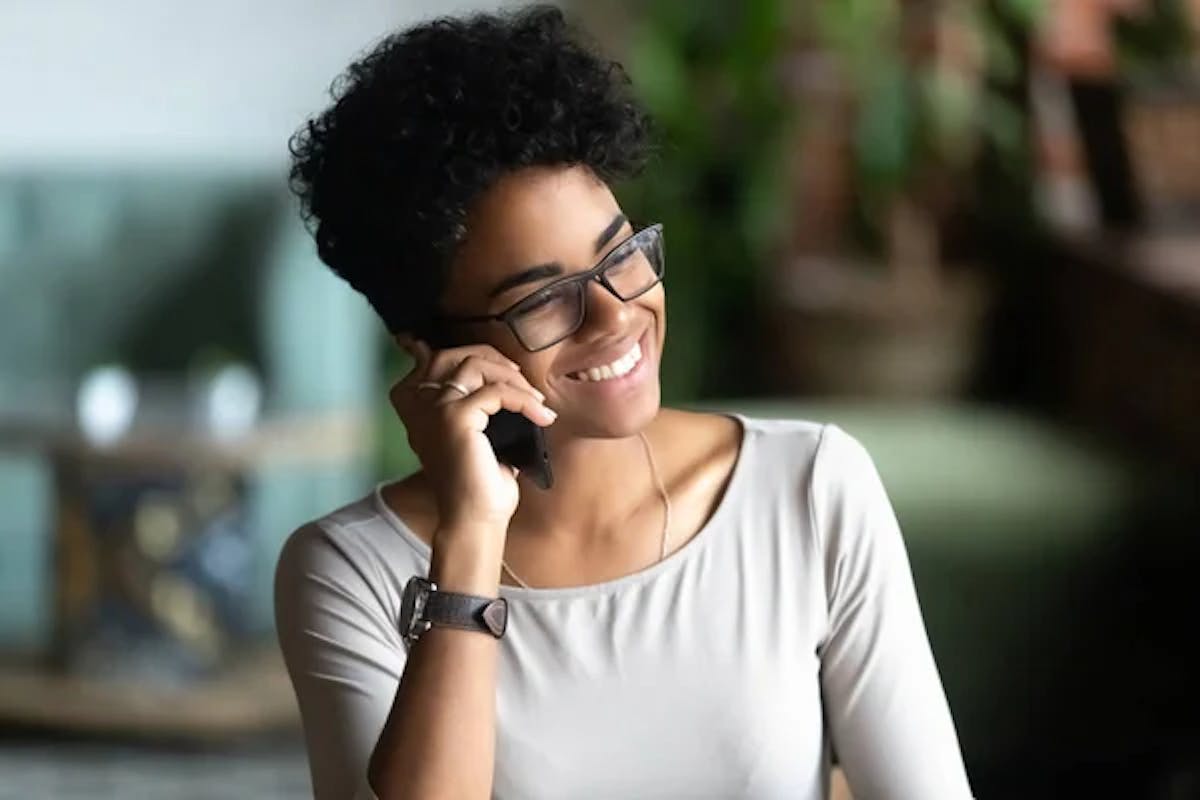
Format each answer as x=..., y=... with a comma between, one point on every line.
x=250, y=698
x=94, y=770
x=159, y=269
x=1130, y=311
x=153, y=578
x=1054, y=574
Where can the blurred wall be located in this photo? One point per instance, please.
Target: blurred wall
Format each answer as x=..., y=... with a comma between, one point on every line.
x=130, y=82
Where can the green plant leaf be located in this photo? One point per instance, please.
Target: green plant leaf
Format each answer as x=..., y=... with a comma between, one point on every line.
x=1026, y=12
x=952, y=108
x=1005, y=128
x=661, y=78
x=884, y=132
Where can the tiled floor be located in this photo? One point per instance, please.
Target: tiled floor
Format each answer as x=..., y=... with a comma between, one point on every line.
x=91, y=771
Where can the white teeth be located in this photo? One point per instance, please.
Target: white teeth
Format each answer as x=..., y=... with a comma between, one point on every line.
x=614, y=370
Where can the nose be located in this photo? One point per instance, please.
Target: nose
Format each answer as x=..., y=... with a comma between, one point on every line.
x=604, y=310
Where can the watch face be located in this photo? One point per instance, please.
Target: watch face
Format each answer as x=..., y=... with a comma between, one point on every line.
x=412, y=608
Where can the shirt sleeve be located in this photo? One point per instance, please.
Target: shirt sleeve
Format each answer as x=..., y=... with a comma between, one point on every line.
x=343, y=654
x=889, y=721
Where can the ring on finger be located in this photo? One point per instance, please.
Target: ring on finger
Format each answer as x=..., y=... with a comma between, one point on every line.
x=429, y=385
x=458, y=387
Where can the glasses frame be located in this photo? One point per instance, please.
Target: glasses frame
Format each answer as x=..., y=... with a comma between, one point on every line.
x=596, y=273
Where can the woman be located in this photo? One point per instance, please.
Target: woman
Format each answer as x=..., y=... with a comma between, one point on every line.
x=702, y=605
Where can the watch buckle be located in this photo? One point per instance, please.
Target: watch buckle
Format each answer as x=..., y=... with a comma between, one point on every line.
x=495, y=616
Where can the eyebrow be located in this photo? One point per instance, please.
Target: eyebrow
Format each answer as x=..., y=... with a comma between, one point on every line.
x=608, y=233
x=553, y=269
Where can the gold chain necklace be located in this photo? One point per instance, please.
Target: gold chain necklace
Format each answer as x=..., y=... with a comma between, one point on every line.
x=662, y=491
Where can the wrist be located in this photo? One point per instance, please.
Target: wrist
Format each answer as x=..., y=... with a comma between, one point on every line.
x=467, y=562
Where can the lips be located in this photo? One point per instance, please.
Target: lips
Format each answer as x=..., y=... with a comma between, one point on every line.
x=612, y=388
x=608, y=358
x=622, y=366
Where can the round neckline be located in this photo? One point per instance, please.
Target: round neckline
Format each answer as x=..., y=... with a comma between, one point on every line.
x=676, y=558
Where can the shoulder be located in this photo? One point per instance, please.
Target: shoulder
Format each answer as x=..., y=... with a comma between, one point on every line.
x=822, y=455
x=722, y=431
x=827, y=471
x=851, y=514
x=783, y=459
x=339, y=534
x=779, y=452
x=354, y=549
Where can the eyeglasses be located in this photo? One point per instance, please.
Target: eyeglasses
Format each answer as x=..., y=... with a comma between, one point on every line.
x=555, y=311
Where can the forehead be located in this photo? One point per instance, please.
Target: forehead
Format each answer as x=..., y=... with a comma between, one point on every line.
x=529, y=217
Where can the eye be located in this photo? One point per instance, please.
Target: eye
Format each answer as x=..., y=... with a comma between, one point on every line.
x=620, y=258
x=540, y=302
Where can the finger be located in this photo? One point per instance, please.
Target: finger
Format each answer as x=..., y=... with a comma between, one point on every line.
x=479, y=406
x=475, y=371
x=394, y=393
x=420, y=360
x=443, y=361
x=422, y=354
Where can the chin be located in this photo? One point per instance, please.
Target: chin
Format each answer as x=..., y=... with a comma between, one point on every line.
x=613, y=420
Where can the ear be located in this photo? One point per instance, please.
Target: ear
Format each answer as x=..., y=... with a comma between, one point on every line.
x=403, y=340
x=436, y=334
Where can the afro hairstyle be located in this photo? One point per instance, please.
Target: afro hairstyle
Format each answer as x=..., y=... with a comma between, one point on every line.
x=428, y=120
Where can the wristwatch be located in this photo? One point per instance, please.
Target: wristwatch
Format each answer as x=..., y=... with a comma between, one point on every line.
x=424, y=605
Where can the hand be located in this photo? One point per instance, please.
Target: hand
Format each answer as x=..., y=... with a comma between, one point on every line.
x=445, y=428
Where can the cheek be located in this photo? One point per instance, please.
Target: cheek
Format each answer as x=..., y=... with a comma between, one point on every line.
x=538, y=370
x=660, y=316
x=498, y=336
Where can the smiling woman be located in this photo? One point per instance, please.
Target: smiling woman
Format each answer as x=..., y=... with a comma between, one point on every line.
x=711, y=605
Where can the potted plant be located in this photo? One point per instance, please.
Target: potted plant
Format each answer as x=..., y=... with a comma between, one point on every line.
x=709, y=73
x=897, y=106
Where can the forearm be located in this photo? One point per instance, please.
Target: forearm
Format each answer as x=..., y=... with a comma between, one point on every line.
x=439, y=739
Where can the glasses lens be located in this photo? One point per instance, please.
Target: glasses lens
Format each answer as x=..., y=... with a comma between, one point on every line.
x=545, y=317
x=636, y=265
x=548, y=316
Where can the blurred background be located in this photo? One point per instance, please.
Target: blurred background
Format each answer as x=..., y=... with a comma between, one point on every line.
x=968, y=232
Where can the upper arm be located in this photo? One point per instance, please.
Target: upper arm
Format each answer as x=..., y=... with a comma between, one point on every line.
x=884, y=702
x=343, y=654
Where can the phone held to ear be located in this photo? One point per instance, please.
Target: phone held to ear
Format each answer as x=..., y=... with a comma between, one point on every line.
x=516, y=439
x=519, y=442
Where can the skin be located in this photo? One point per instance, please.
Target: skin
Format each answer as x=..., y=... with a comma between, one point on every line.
x=603, y=517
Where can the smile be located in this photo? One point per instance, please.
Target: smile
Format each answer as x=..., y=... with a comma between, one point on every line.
x=616, y=369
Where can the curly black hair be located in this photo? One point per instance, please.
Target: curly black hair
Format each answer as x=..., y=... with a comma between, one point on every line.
x=432, y=117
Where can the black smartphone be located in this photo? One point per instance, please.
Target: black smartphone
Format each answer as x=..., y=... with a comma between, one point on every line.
x=521, y=443
x=516, y=439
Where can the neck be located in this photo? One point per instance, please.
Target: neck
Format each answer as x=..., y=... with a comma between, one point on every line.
x=598, y=482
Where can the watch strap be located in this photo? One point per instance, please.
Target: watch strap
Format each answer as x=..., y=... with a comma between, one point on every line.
x=467, y=611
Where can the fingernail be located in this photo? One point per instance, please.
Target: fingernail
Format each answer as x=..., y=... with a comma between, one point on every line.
x=551, y=412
